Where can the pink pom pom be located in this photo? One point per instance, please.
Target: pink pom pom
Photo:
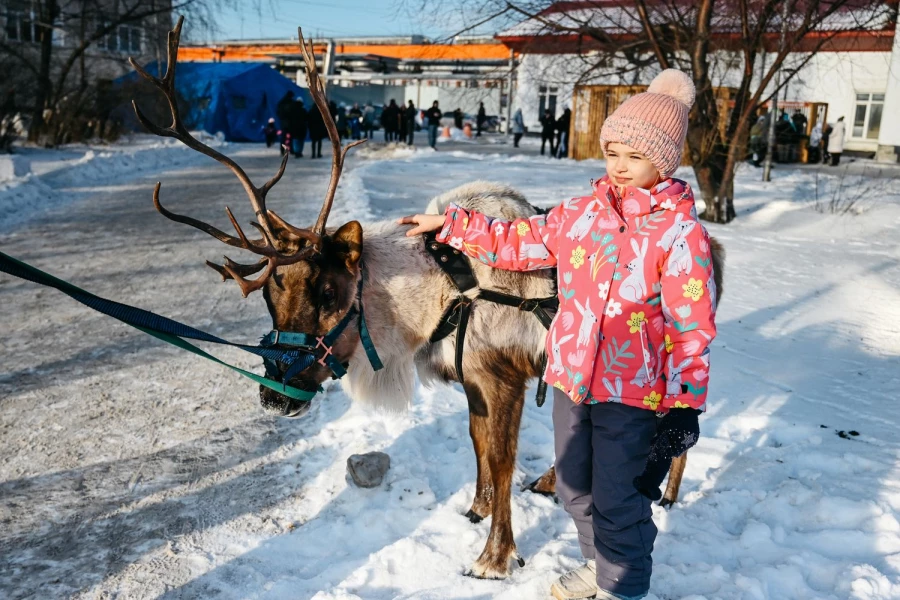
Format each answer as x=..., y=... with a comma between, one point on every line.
x=675, y=83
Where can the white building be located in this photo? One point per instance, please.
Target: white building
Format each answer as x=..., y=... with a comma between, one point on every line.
x=856, y=73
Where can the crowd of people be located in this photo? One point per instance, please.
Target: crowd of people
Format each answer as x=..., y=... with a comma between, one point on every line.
x=825, y=142
x=296, y=123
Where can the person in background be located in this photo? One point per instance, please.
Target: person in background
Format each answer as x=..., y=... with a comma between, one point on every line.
x=390, y=120
x=800, y=121
x=518, y=127
x=404, y=124
x=433, y=118
x=355, y=117
x=814, y=150
x=340, y=119
x=481, y=119
x=271, y=132
x=458, y=118
x=317, y=130
x=548, y=131
x=562, y=134
x=368, y=121
x=410, y=122
x=298, y=128
x=836, y=142
x=283, y=111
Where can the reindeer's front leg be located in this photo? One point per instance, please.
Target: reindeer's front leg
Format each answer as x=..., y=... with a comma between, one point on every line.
x=479, y=430
x=503, y=399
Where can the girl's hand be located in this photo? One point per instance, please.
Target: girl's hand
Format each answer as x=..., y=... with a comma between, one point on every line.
x=423, y=223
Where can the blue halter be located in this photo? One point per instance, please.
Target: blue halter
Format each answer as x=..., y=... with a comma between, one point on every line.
x=321, y=346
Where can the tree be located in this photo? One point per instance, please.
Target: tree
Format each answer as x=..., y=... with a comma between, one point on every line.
x=55, y=66
x=704, y=38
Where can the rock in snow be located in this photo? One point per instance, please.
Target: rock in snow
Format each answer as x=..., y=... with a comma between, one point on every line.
x=367, y=470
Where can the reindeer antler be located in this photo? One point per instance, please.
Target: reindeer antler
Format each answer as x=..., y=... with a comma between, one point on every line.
x=265, y=247
x=317, y=90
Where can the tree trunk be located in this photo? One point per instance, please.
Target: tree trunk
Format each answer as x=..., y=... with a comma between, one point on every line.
x=48, y=13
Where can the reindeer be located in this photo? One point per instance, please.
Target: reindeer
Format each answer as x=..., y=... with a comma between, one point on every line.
x=313, y=280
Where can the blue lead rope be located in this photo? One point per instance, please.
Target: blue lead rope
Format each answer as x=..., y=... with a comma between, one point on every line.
x=166, y=329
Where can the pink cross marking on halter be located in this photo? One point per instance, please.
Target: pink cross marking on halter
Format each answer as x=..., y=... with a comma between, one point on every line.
x=320, y=343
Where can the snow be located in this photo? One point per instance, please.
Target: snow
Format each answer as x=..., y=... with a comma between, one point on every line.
x=131, y=470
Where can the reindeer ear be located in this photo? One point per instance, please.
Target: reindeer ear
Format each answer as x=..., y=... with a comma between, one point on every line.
x=348, y=243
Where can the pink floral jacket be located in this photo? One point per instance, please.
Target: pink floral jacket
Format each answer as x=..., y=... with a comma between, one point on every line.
x=636, y=290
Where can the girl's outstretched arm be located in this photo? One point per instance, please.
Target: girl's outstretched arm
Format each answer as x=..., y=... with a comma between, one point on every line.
x=524, y=244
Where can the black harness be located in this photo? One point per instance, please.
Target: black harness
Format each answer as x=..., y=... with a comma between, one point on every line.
x=456, y=318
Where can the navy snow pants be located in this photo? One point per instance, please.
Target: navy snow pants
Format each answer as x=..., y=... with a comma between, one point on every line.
x=600, y=449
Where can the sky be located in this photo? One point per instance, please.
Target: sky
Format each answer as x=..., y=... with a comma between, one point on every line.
x=280, y=19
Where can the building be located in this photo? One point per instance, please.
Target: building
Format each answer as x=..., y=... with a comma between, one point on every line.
x=376, y=69
x=852, y=73
x=109, y=32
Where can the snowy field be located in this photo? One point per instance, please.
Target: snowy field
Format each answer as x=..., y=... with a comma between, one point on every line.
x=133, y=470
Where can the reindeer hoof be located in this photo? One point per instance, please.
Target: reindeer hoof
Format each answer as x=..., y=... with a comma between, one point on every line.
x=667, y=503
x=474, y=517
x=493, y=569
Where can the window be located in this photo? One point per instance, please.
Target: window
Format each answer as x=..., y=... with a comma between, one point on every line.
x=867, y=116
x=125, y=39
x=547, y=99
x=20, y=26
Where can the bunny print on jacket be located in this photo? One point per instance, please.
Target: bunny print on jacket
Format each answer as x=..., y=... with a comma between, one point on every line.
x=636, y=290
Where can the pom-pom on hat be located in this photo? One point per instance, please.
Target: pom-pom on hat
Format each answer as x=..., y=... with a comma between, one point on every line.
x=654, y=122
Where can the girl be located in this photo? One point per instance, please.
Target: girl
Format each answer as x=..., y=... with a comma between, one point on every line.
x=630, y=342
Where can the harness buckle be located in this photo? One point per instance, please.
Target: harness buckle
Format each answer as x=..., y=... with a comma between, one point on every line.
x=320, y=343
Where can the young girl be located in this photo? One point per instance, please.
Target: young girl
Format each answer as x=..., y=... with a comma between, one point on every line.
x=630, y=343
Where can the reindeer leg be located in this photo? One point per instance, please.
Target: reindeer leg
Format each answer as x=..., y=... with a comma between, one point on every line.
x=479, y=430
x=544, y=485
x=504, y=398
x=676, y=471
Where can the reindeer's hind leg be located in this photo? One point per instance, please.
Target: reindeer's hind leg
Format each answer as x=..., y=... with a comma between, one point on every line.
x=502, y=391
x=676, y=471
x=545, y=484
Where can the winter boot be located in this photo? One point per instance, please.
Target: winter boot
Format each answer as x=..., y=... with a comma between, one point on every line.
x=577, y=584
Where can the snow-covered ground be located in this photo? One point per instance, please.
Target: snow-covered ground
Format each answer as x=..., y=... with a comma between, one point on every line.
x=131, y=470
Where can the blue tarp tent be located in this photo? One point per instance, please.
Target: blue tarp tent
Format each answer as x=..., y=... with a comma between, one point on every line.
x=236, y=98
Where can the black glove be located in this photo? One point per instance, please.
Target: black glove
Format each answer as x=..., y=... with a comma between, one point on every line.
x=677, y=432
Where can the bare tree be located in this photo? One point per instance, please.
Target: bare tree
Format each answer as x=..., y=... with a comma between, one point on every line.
x=57, y=58
x=706, y=38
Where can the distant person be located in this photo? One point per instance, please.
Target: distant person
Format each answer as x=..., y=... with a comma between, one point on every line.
x=548, y=132
x=518, y=127
x=411, y=113
x=836, y=142
x=814, y=150
x=298, y=128
x=368, y=121
x=562, y=134
x=433, y=118
x=458, y=118
x=342, y=122
x=481, y=119
x=800, y=121
x=403, y=132
x=270, y=130
x=390, y=120
x=283, y=112
x=317, y=131
x=355, y=118
x=826, y=137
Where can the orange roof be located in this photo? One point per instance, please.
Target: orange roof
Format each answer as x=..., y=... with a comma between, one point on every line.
x=238, y=52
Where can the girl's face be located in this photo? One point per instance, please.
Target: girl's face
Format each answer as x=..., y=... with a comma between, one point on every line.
x=626, y=166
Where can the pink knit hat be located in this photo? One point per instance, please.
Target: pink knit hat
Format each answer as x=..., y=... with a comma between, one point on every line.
x=654, y=122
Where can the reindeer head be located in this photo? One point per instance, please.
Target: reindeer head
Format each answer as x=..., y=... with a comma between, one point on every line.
x=310, y=279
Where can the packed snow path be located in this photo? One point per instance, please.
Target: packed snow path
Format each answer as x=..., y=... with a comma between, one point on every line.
x=129, y=469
